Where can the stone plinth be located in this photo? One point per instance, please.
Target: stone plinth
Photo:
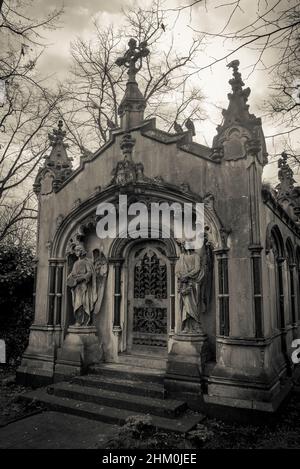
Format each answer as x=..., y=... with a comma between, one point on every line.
x=80, y=349
x=186, y=362
x=37, y=366
x=250, y=373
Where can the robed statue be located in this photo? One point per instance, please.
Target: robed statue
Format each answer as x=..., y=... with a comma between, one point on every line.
x=193, y=270
x=87, y=283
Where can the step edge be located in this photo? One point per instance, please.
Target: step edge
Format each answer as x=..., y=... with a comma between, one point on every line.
x=124, y=372
x=143, y=355
x=118, y=395
x=99, y=379
x=159, y=421
x=132, y=368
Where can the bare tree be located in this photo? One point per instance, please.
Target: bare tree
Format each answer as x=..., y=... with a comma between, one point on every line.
x=270, y=30
x=21, y=38
x=97, y=84
x=17, y=221
x=26, y=110
x=29, y=113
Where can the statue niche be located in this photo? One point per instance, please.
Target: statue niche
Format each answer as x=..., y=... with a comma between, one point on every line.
x=194, y=275
x=87, y=281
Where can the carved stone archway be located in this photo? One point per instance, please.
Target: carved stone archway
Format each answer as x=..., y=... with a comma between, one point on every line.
x=129, y=258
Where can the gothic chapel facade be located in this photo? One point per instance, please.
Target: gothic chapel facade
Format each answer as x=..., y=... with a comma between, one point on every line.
x=126, y=309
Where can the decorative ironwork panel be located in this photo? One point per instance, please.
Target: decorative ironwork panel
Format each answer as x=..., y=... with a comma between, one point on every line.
x=150, y=320
x=150, y=299
x=150, y=277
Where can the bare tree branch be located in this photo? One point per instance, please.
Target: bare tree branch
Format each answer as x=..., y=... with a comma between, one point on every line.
x=97, y=84
x=28, y=111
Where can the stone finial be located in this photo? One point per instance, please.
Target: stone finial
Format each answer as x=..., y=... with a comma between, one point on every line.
x=189, y=124
x=238, y=109
x=131, y=109
x=57, y=167
x=240, y=133
x=287, y=194
x=236, y=82
x=285, y=176
x=58, y=135
x=58, y=156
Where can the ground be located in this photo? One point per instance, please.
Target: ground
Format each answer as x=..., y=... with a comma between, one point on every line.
x=23, y=426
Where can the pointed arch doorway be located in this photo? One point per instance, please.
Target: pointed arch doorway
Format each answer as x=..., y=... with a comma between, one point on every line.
x=149, y=305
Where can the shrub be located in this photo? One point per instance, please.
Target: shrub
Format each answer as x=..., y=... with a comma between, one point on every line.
x=16, y=299
x=138, y=432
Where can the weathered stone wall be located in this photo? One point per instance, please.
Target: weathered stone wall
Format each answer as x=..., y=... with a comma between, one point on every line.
x=270, y=284
x=236, y=188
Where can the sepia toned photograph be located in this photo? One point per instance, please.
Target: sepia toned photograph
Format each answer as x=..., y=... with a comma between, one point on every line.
x=149, y=228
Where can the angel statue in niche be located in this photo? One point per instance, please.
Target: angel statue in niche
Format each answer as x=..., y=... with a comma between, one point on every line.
x=87, y=283
x=193, y=272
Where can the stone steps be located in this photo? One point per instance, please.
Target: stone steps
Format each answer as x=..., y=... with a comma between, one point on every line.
x=170, y=408
x=135, y=387
x=135, y=373
x=108, y=414
x=112, y=392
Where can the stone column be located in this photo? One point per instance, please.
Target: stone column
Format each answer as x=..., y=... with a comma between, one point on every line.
x=257, y=289
x=292, y=270
x=172, y=296
x=117, y=296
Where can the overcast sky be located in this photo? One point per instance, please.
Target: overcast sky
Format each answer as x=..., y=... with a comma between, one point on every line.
x=77, y=21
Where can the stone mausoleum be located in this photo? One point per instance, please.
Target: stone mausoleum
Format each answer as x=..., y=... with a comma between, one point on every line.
x=214, y=326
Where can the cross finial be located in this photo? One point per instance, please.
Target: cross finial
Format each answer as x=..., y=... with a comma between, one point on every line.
x=133, y=104
x=132, y=59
